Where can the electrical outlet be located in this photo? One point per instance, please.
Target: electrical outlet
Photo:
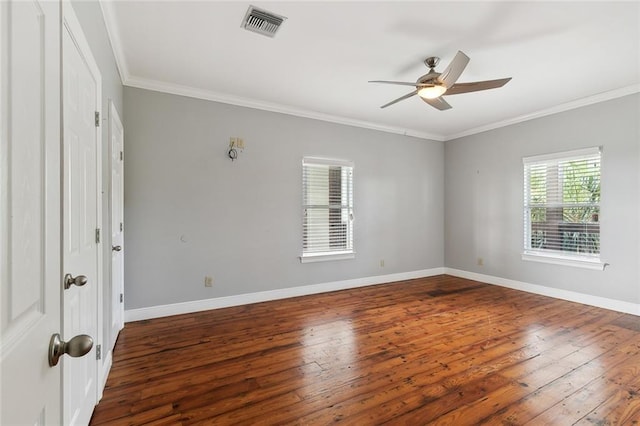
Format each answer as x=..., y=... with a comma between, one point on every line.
x=233, y=142
x=480, y=261
x=240, y=143
x=208, y=281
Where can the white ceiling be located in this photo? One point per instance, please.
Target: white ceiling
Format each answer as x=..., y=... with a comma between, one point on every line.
x=560, y=54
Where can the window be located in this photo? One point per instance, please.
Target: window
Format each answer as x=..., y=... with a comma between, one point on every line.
x=327, y=204
x=562, y=208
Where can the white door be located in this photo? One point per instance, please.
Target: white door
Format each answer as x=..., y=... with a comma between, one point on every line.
x=80, y=224
x=116, y=149
x=29, y=211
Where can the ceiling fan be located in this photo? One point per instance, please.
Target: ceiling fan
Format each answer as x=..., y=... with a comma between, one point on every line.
x=433, y=85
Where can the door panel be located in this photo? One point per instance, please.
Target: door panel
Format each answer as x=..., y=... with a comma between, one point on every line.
x=27, y=203
x=29, y=211
x=80, y=222
x=116, y=149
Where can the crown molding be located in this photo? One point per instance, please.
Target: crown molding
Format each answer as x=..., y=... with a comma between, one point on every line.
x=113, y=34
x=192, y=92
x=589, y=100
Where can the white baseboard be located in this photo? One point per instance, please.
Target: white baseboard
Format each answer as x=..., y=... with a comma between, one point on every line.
x=586, y=299
x=105, y=368
x=264, y=296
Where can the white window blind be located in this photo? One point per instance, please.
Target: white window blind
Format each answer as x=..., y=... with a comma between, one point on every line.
x=327, y=188
x=562, y=204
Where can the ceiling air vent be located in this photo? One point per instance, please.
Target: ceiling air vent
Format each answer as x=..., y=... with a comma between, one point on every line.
x=262, y=22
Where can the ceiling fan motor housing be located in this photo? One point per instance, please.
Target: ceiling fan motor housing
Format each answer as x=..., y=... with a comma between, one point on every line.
x=430, y=77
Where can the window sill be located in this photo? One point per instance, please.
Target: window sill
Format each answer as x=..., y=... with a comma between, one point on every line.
x=325, y=257
x=575, y=261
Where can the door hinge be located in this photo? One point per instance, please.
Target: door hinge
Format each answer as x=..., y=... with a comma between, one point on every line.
x=97, y=117
x=98, y=351
x=121, y=227
x=121, y=156
x=97, y=235
x=121, y=297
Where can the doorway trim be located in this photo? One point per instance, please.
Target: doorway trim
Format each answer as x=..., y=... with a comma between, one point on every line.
x=71, y=24
x=116, y=307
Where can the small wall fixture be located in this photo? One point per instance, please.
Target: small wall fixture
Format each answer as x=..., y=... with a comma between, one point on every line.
x=235, y=144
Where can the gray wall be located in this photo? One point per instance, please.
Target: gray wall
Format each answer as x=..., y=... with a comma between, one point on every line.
x=92, y=22
x=484, y=197
x=190, y=211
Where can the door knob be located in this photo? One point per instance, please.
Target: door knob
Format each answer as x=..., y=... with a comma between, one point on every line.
x=116, y=248
x=76, y=347
x=69, y=280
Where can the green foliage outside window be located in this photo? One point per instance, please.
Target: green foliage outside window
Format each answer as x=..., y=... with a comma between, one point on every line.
x=538, y=194
x=581, y=185
x=576, y=214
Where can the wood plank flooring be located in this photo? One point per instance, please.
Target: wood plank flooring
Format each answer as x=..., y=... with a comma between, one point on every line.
x=439, y=350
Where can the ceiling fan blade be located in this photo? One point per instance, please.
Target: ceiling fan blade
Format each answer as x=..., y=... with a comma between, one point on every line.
x=402, y=83
x=401, y=98
x=476, y=86
x=451, y=74
x=438, y=103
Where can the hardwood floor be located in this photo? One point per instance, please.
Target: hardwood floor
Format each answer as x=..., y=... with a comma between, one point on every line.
x=438, y=350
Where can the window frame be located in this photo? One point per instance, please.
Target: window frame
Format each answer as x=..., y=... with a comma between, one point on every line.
x=349, y=253
x=551, y=256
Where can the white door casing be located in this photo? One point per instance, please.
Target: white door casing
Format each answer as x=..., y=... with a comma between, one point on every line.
x=116, y=150
x=81, y=212
x=29, y=211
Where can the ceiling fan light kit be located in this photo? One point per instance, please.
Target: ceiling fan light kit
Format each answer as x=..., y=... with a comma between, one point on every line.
x=433, y=85
x=432, y=92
